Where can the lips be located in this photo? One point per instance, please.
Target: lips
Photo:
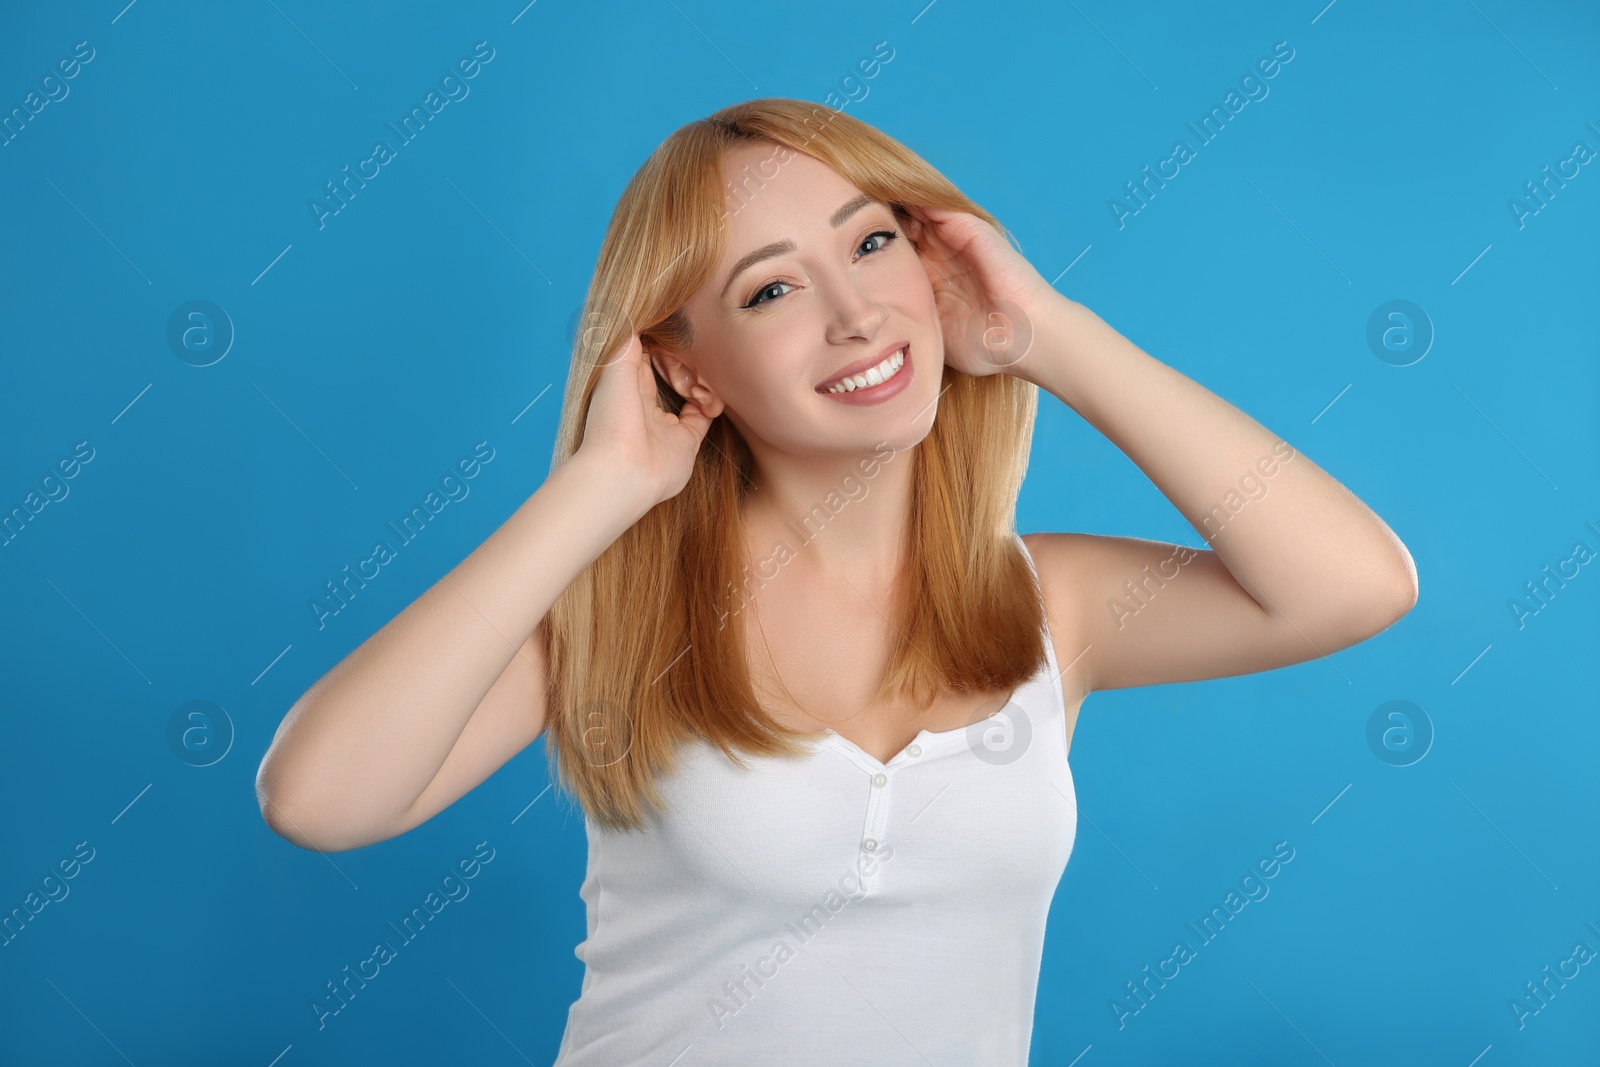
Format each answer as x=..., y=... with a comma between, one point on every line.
x=862, y=366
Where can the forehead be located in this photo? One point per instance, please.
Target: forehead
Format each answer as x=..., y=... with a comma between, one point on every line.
x=769, y=189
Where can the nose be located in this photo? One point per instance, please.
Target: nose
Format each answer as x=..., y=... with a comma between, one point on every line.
x=855, y=314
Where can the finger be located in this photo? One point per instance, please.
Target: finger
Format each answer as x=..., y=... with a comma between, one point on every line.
x=929, y=236
x=923, y=221
x=694, y=419
x=937, y=270
x=628, y=351
x=918, y=239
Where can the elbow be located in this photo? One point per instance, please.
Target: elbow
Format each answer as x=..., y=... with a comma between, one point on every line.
x=298, y=827
x=308, y=818
x=1393, y=607
x=275, y=812
x=285, y=815
x=1370, y=599
x=1395, y=594
x=1403, y=583
x=1407, y=596
x=283, y=799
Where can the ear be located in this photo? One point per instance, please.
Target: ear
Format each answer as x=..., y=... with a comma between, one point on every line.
x=686, y=381
x=915, y=229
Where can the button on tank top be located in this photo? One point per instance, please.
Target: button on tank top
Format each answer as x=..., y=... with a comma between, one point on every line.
x=834, y=909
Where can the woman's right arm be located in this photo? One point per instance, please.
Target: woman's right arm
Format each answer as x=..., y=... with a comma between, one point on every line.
x=448, y=690
x=455, y=685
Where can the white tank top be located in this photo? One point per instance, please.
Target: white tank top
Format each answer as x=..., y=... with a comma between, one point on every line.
x=833, y=909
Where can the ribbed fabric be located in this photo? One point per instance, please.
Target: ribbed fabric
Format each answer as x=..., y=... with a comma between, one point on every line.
x=834, y=909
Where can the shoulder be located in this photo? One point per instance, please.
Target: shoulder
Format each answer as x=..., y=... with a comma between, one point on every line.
x=1056, y=557
x=1075, y=565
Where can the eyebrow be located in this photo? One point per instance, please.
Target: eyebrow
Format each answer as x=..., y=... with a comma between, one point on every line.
x=778, y=248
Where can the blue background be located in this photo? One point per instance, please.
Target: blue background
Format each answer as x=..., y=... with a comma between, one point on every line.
x=371, y=354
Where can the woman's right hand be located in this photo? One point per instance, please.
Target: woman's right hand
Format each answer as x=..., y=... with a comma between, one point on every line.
x=650, y=447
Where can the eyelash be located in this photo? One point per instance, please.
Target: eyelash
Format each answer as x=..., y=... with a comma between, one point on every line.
x=753, y=304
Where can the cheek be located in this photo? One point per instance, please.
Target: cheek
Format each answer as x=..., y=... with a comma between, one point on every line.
x=764, y=380
x=915, y=284
x=916, y=297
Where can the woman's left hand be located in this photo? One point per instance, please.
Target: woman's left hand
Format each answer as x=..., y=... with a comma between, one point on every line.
x=988, y=295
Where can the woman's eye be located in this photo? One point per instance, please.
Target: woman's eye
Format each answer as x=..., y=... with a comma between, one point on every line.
x=755, y=300
x=887, y=235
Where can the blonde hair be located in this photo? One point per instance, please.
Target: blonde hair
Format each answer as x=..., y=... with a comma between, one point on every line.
x=641, y=659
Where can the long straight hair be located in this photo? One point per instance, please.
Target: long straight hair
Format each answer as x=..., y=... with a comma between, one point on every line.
x=646, y=646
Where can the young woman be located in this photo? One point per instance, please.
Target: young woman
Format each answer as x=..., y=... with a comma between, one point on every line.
x=812, y=691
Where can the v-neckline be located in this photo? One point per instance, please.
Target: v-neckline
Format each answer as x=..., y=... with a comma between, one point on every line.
x=922, y=736
x=849, y=747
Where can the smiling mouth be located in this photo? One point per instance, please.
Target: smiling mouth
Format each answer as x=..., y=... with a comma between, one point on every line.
x=875, y=375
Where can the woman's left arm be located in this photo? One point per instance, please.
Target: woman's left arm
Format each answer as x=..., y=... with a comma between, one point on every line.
x=1297, y=566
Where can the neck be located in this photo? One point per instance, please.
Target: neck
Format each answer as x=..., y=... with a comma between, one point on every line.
x=837, y=521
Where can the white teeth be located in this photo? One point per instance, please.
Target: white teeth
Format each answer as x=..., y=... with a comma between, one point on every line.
x=873, y=376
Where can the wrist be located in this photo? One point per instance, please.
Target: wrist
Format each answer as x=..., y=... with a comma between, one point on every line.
x=1059, y=326
x=620, y=479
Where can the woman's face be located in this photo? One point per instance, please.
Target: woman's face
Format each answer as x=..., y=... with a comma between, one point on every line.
x=812, y=282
